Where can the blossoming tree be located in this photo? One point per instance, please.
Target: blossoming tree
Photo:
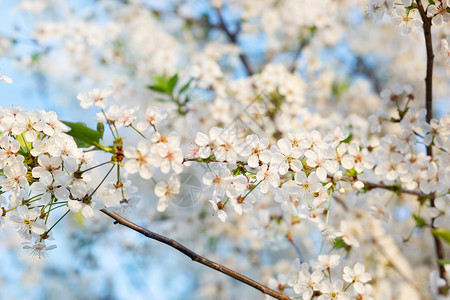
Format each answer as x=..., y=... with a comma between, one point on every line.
x=299, y=133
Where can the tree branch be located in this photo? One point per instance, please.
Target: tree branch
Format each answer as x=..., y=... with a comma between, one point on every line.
x=429, y=108
x=430, y=58
x=372, y=185
x=194, y=256
x=404, y=276
x=299, y=50
x=233, y=37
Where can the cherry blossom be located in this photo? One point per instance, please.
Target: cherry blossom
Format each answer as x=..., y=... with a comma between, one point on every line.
x=95, y=97
x=165, y=191
x=140, y=160
x=37, y=249
x=27, y=222
x=357, y=276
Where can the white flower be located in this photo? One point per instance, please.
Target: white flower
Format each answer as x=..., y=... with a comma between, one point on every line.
x=169, y=155
x=15, y=177
x=81, y=201
x=391, y=168
x=333, y=291
x=257, y=150
x=318, y=160
x=94, y=97
x=140, y=160
x=218, y=207
x=268, y=176
x=339, y=134
x=356, y=159
x=406, y=19
x=27, y=222
x=376, y=10
x=119, y=116
x=308, y=185
x=28, y=122
x=445, y=52
x=6, y=79
x=286, y=156
x=236, y=185
x=217, y=180
x=8, y=151
x=441, y=212
x=46, y=164
x=438, y=12
x=153, y=116
x=50, y=186
x=326, y=262
x=307, y=283
x=277, y=284
x=357, y=276
x=37, y=249
x=50, y=124
x=166, y=191
x=225, y=146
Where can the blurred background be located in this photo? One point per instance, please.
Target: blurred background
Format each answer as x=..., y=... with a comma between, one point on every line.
x=54, y=49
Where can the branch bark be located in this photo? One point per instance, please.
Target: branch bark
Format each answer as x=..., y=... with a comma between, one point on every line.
x=429, y=108
x=194, y=256
x=372, y=185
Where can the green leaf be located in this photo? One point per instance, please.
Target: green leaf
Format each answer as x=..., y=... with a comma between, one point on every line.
x=348, y=139
x=35, y=57
x=172, y=83
x=83, y=135
x=24, y=145
x=160, y=81
x=157, y=88
x=443, y=261
x=442, y=233
x=101, y=129
x=420, y=222
x=239, y=170
x=339, y=243
x=186, y=86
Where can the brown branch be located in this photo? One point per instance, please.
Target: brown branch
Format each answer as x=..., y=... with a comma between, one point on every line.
x=233, y=37
x=363, y=68
x=194, y=256
x=429, y=108
x=372, y=185
x=430, y=58
x=299, y=50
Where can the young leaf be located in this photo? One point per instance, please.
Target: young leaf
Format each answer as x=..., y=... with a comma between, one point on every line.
x=442, y=233
x=444, y=261
x=172, y=83
x=157, y=88
x=160, y=81
x=420, y=222
x=83, y=135
x=185, y=87
x=101, y=129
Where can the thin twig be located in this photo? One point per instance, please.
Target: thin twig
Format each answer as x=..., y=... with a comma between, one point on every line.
x=233, y=37
x=406, y=278
x=194, y=256
x=372, y=185
x=300, y=48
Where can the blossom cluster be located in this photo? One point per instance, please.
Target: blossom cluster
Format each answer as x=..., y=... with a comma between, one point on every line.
x=319, y=159
x=406, y=14
x=42, y=170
